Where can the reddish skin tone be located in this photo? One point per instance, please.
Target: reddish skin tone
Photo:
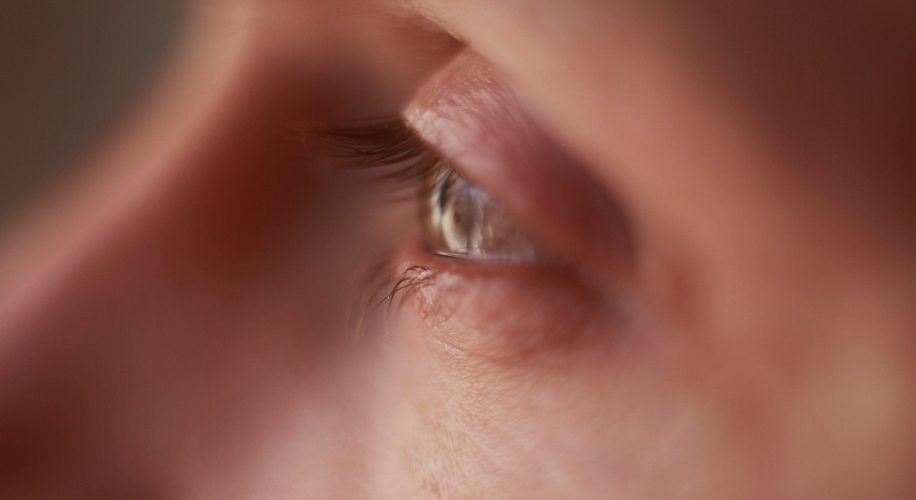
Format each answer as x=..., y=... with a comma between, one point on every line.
x=174, y=324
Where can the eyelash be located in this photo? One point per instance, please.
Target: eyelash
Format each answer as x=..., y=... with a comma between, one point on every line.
x=388, y=147
x=397, y=157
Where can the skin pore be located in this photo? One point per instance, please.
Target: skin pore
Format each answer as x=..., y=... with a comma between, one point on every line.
x=727, y=186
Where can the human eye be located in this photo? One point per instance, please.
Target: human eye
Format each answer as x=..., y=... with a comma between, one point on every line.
x=514, y=242
x=520, y=250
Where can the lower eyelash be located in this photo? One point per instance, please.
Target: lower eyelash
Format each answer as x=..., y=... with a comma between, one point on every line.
x=384, y=286
x=411, y=280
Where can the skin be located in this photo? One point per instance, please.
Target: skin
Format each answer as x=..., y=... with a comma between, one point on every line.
x=731, y=185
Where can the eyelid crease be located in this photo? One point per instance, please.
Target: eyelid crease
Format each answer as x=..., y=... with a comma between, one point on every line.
x=388, y=145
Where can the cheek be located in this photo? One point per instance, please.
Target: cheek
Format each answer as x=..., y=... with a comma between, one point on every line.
x=521, y=383
x=510, y=389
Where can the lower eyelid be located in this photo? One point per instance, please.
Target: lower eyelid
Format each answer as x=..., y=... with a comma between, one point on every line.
x=507, y=314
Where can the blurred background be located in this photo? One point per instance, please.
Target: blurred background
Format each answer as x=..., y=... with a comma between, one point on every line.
x=69, y=72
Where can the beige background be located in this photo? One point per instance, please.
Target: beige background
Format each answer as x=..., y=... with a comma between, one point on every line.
x=69, y=70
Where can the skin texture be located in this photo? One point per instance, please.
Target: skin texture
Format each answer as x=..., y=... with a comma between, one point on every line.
x=728, y=185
